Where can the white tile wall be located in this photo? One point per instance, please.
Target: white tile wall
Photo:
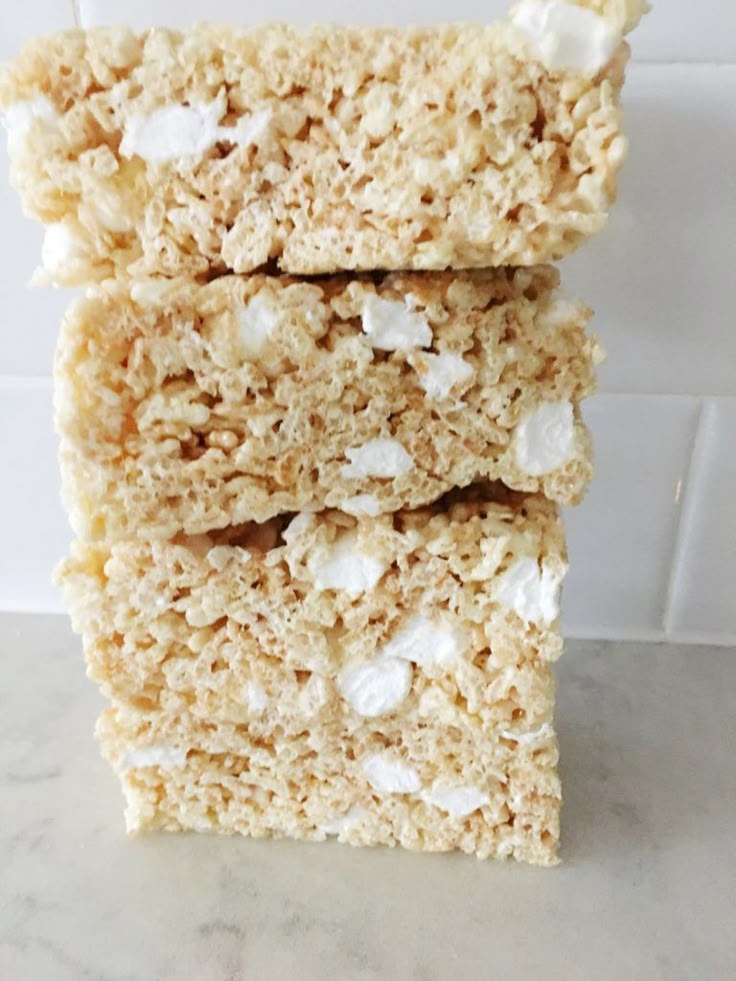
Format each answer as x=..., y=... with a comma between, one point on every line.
x=33, y=529
x=22, y=19
x=704, y=582
x=654, y=546
x=623, y=537
x=661, y=276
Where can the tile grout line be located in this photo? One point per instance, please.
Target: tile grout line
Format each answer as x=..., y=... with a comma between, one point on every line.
x=646, y=635
x=692, y=479
x=699, y=638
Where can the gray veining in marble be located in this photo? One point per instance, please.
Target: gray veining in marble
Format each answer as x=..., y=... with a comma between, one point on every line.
x=647, y=891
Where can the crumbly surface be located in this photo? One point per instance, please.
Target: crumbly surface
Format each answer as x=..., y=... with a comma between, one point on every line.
x=256, y=683
x=359, y=149
x=321, y=782
x=173, y=624
x=171, y=420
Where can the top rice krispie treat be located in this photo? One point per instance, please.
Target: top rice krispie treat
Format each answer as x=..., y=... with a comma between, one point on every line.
x=324, y=150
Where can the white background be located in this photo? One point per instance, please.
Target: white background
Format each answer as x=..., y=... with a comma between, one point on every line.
x=653, y=548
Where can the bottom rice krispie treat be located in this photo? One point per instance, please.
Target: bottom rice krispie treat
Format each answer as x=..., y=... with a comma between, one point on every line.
x=442, y=782
x=384, y=679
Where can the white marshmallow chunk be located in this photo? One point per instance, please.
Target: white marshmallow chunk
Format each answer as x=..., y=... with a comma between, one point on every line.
x=376, y=687
x=545, y=440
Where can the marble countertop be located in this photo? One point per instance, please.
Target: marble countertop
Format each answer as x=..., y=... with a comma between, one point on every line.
x=647, y=891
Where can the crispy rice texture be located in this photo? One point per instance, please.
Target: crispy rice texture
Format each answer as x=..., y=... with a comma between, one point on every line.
x=169, y=420
x=316, y=783
x=338, y=149
x=232, y=652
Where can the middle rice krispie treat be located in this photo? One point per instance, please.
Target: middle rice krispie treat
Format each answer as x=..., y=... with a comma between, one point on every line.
x=191, y=408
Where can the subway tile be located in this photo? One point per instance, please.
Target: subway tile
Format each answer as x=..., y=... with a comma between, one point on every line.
x=20, y=21
x=31, y=316
x=622, y=538
x=661, y=276
x=704, y=584
x=675, y=30
x=680, y=30
x=33, y=528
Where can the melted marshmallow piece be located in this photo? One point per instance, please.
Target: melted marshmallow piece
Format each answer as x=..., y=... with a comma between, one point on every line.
x=428, y=643
x=563, y=309
x=392, y=326
x=362, y=504
x=528, y=737
x=345, y=567
x=385, y=458
x=61, y=248
x=440, y=373
x=389, y=775
x=248, y=129
x=136, y=759
x=256, y=321
x=458, y=802
x=256, y=697
x=344, y=823
x=173, y=132
x=375, y=687
x=151, y=292
x=567, y=36
x=19, y=117
x=545, y=439
x=532, y=593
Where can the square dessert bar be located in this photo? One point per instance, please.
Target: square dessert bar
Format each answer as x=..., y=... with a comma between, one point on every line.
x=385, y=679
x=430, y=786
x=186, y=407
x=330, y=149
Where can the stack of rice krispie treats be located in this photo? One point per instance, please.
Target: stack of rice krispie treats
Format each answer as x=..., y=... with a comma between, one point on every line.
x=319, y=406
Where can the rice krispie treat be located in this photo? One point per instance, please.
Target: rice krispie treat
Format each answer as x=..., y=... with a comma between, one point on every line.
x=190, y=408
x=273, y=679
x=322, y=150
x=437, y=785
